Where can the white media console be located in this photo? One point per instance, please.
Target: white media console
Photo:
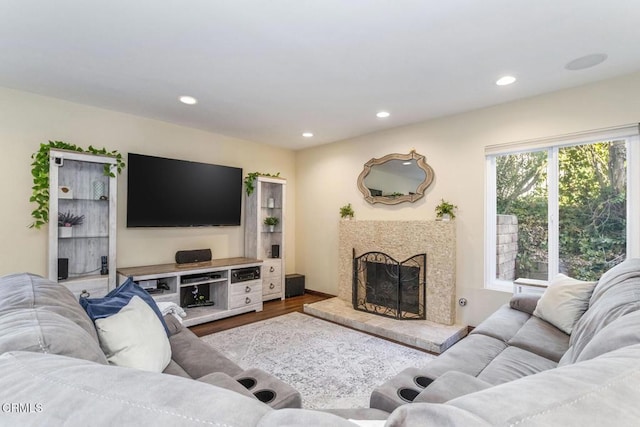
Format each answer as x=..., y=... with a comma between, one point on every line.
x=207, y=290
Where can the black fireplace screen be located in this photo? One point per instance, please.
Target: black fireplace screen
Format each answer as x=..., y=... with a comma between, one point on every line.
x=384, y=286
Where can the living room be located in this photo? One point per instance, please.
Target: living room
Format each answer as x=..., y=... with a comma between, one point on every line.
x=320, y=179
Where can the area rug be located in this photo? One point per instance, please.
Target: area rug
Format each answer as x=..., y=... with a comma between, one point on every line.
x=330, y=365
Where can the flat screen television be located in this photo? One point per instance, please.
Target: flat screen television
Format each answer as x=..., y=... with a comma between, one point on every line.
x=165, y=192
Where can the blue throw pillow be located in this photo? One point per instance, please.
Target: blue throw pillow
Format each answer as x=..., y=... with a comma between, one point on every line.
x=99, y=308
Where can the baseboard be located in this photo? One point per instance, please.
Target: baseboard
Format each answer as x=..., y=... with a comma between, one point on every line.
x=318, y=293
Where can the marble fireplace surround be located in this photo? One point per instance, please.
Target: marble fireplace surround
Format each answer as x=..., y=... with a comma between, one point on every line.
x=400, y=240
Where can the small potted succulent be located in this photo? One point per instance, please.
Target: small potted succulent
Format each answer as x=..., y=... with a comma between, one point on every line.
x=271, y=221
x=66, y=221
x=445, y=211
x=346, y=212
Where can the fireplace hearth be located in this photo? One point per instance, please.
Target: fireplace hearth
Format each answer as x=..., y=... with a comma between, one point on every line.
x=387, y=287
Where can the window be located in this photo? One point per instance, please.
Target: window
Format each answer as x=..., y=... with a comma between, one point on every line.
x=564, y=205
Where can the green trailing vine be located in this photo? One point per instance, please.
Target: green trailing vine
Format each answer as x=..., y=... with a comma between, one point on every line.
x=40, y=173
x=250, y=180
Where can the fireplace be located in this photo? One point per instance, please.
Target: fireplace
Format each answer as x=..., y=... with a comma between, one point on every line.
x=384, y=286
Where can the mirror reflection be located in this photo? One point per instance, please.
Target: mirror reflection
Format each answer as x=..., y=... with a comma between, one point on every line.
x=395, y=178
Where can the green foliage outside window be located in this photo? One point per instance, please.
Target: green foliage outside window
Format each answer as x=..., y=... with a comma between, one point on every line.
x=592, y=207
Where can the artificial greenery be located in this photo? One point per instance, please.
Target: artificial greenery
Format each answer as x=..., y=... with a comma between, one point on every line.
x=346, y=211
x=40, y=173
x=67, y=219
x=271, y=220
x=250, y=179
x=445, y=208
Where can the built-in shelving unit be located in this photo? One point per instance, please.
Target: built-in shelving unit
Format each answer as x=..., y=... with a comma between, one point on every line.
x=227, y=286
x=267, y=200
x=78, y=185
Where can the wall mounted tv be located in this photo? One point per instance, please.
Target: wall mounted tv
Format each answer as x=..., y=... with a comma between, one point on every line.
x=177, y=193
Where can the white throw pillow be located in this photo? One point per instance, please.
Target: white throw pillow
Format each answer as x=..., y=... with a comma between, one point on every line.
x=564, y=302
x=134, y=337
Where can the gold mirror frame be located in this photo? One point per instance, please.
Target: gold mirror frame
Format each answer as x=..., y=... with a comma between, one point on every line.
x=419, y=193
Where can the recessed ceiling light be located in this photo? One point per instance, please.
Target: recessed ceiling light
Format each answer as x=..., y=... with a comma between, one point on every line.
x=189, y=100
x=587, y=61
x=382, y=114
x=307, y=134
x=505, y=80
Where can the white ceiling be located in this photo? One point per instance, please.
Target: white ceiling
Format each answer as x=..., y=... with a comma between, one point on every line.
x=267, y=70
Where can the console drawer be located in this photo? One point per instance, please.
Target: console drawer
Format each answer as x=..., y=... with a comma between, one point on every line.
x=255, y=297
x=245, y=288
x=271, y=285
x=272, y=268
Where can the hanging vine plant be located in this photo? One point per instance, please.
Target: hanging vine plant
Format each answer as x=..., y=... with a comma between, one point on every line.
x=250, y=179
x=40, y=173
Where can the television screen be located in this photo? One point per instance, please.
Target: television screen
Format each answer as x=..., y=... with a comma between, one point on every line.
x=177, y=193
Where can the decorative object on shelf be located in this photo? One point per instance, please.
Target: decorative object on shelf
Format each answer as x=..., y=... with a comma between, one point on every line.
x=65, y=192
x=66, y=221
x=40, y=173
x=445, y=211
x=99, y=192
x=271, y=203
x=271, y=221
x=250, y=179
x=346, y=212
x=400, y=177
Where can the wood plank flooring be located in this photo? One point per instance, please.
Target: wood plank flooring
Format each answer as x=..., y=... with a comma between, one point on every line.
x=270, y=309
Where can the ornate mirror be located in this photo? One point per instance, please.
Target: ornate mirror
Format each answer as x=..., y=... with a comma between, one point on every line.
x=395, y=178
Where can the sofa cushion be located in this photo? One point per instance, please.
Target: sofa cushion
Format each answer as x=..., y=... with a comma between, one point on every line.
x=541, y=338
x=73, y=392
x=564, y=301
x=502, y=324
x=134, y=337
x=524, y=302
x=601, y=391
x=41, y=316
x=514, y=363
x=29, y=291
x=616, y=294
x=622, y=332
x=471, y=356
x=98, y=308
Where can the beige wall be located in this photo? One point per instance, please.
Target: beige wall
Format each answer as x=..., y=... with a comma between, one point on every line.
x=26, y=120
x=454, y=147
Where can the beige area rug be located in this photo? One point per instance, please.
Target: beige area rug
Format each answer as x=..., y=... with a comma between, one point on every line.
x=330, y=365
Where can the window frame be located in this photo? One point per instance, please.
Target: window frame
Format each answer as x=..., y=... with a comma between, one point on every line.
x=629, y=133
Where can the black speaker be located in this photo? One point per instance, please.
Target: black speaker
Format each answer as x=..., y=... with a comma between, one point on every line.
x=194, y=255
x=275, y=251
x=63, y=268
x=293, y=285
x=104, y=265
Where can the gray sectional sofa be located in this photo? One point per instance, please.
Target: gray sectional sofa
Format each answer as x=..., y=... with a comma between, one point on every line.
x=513, y=369
x=516, y=368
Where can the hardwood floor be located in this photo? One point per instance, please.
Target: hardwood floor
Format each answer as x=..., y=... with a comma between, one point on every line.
x=271, y=309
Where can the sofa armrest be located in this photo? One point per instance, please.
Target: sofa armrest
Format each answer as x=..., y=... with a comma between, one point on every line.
x=220, y=379
x=524, y=302
x=450, y=385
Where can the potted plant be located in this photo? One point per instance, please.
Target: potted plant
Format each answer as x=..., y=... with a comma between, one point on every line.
x=346, y=212
x=271, y=221
x=445, y=210
x=66, y=221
